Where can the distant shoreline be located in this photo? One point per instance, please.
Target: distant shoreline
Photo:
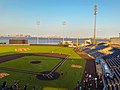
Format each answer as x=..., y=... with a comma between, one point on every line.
x=45, y=40
x=54, y=37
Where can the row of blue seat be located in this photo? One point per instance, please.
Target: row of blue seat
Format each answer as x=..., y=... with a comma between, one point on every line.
x=112, y=62
x=94, y=51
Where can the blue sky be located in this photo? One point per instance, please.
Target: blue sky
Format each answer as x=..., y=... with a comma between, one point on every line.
x=20, y=16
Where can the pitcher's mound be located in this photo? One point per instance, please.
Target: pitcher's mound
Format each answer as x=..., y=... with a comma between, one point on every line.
x=48, y=76
x=35, y=62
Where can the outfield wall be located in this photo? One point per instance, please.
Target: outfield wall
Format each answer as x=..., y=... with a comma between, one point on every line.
x=14, y=44
x=29, y=45
x=44, y=45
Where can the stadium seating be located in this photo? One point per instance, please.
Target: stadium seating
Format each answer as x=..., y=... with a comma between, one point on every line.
x=93, y=51
x=111, y=62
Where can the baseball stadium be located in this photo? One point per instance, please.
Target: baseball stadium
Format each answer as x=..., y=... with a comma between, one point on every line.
x=56, y=67
x=47, y=55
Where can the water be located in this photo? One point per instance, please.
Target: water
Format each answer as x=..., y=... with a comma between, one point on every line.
x=32, y=40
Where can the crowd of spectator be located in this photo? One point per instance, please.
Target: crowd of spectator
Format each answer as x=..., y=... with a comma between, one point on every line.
x=15, y=86
x=90, y=82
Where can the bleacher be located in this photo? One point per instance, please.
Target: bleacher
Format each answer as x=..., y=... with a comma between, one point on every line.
x=94, y=50
x=111, y=61
x=106, y=50
x=114, y=49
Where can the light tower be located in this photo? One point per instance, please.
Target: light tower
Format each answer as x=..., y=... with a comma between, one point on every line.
x=63, y=23
x=38, y=24
x=95, y=13
x=77, y=41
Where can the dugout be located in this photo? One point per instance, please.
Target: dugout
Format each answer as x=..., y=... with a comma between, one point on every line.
x=13, y=41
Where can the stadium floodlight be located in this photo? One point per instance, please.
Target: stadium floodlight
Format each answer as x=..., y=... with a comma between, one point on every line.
x=38, y=24
x=63, y=23
x=95, y=13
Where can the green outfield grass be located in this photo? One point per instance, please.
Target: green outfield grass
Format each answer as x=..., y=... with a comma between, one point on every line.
x=34, y=49
x=66, y=82
x=47, y=63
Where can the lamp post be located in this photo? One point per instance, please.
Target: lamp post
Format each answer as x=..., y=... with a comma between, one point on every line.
x=95, y=13
x=38, y=24
x=63, y=23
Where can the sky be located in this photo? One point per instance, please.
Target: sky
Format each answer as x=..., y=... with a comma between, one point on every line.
x=20, y=17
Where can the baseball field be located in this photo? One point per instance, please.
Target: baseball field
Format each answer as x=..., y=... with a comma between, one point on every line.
x=23, y=64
